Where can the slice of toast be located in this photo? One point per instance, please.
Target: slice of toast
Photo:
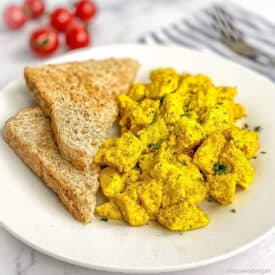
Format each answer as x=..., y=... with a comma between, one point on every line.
x=79, y=97
x=29, y=134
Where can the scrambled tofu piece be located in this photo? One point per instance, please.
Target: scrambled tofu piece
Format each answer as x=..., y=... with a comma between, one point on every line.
x=108, y=210
x=122, y=153
x=153, y=135
x=150, y=196
x=131, y=176
x=138, y=91
x=209, y=151
x=183, y=183
x=111, y=182
x=237, y=163
x=135, y=116
x=172, y=108
x=131, y=211
x=203, y=99
x=222, y=187
x=182, y=216
x=247, y=141
x=216, y=119
x=146, y=162
x=189, y=134
x=163, y=82
x=239, y=111
x=226, y=93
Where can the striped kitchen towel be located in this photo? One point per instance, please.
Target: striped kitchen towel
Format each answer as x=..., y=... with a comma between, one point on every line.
x=198, y=31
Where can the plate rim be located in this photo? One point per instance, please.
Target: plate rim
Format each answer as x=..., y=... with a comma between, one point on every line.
x=125, y=268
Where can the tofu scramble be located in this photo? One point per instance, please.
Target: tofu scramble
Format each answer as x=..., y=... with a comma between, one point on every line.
x=179, y=145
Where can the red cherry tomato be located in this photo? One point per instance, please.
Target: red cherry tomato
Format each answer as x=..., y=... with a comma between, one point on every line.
x=76, y=24
x=15, y=17
x=44, y=41
x=77, y=37
x=36, y=7
x=61, y=18
x=85, y=9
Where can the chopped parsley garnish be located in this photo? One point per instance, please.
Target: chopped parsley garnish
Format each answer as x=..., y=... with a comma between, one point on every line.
x=137, y=168
x=178, y=176
x=184, y=163
x=199, y=120
x=161, y=99
x=233, y=210
x=209, y=200
x=219, y=168
x=186, y=114
x=257, y=129
x=263, y=152
x=245, y=126
x=104, y=219
x=254, y=157
x=155, y=146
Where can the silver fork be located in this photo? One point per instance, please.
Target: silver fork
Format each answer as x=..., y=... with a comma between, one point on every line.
x=234, y=39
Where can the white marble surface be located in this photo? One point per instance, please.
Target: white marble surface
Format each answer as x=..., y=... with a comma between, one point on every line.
x=119, y=21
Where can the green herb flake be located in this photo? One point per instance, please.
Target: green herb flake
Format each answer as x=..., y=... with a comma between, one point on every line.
x=219, y=168
x=257, y=129
x=161, y=99
x=233, y=210
x=104, y=219
x=199, y=120
x=137, y=168
x=156, y=146
x=186, y=114
x=263, y=152
x=254, y=157
x=209, y=200
x=245, y=126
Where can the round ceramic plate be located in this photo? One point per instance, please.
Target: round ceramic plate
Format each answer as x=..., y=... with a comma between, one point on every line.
x=33, y=213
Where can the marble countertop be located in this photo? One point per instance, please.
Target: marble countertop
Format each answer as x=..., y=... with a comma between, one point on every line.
x=119, y=21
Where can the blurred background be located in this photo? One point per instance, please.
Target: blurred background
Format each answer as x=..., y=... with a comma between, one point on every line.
x=115, y=21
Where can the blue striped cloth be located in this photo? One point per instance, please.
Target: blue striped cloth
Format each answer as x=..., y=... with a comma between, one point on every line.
x=198, y=32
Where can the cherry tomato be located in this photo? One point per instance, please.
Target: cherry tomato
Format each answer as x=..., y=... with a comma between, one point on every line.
x=15, y=16
x=44, y=41
x=61, y=18
x=76, y=24
x=36, y=7
x=77, y=37
x=85, y=9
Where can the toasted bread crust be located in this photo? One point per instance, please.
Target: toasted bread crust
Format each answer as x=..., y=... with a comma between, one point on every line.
x=88, y=88
x=79, y=199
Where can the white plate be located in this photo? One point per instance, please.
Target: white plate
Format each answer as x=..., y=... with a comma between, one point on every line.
x=33, y=213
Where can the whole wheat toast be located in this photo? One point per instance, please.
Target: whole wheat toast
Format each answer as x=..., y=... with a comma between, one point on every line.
x=30, y=135
x=79, y=97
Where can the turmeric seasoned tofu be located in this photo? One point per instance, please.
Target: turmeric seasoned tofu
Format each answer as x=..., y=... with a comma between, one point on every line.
x=222, y=187
x=179, y=144
x=189, y=134
x=237, y=163
x=135, y=116
x=111, y=182
x=131, y=211
x=163, y=82
x=122, y=154
x=150, y=196
x=247, y=141
x=153, y=135
x=209, y=151
x=182, y=216
x=108, y=210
